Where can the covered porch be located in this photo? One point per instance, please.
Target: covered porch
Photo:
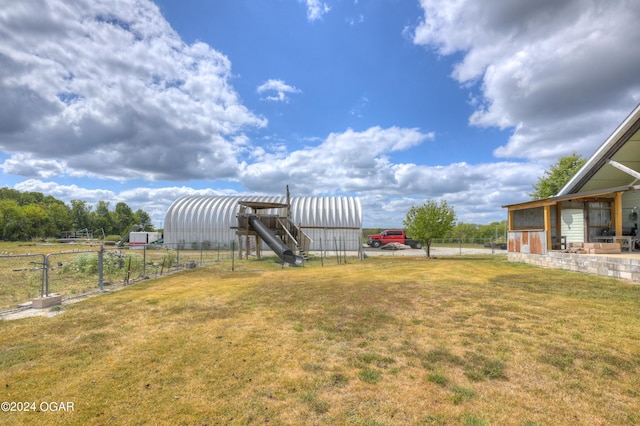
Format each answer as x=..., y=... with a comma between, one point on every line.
x=544, y=233
x=597, y=210
x=556, y=223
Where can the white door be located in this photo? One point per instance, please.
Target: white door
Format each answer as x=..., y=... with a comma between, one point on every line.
x=572, y=225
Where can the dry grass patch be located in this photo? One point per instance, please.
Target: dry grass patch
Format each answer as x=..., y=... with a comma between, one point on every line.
x=384, y=341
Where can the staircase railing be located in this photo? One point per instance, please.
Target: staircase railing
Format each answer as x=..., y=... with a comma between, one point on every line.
x=301, y=240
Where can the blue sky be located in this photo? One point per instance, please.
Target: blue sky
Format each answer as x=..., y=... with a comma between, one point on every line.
x=393, y=101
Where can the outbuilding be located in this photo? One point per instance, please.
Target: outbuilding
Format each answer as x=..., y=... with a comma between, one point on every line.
x=331, y=223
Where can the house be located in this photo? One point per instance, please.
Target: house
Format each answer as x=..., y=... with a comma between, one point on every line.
x=596, y=212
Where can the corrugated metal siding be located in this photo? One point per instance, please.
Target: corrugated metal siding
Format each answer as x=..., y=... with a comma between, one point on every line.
x=537, y=243
x=530, y=242
x=329, y=221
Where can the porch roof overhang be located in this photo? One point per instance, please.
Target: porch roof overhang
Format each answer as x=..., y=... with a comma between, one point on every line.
x=597, y=193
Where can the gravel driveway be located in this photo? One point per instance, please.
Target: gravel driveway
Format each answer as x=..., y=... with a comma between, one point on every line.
x=435, y=251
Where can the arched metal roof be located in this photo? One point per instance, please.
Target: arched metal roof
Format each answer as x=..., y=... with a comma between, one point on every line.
x=211, y=218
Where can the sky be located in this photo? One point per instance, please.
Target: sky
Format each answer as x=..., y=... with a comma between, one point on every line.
x=396, y=102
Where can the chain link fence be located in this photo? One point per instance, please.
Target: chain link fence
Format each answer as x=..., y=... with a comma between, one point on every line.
x=445, y=247
x=469, y=245
x=22, y=277
x=82, y=270
x=88, y=269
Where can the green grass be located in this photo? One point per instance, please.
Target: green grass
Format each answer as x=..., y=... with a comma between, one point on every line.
x=370, y=375
x=438, y=378
x=385, y=341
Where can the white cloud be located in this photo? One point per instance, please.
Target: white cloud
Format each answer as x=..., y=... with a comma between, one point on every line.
x=279, y=87
x=476, y=191
x=562, y=75
x=115, y=92
x=66, y=193
x=359, y=164
x=22, y=164
x=347, y=162
x=316, y=9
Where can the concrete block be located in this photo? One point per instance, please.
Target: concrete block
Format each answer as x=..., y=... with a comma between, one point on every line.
x=47, y=301
x=626, y=276
x=604, y=250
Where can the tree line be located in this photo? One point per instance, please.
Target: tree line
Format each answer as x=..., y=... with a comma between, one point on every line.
x=28, y=215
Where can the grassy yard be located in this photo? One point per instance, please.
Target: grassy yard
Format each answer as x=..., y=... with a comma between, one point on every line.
x=385, y=341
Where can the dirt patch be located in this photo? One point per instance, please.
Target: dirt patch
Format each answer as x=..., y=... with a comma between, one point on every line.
x=30, y=312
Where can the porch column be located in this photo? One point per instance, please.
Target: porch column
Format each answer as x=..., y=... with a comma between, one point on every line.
x=617, y=213
x=547, y=226
x=558, y=224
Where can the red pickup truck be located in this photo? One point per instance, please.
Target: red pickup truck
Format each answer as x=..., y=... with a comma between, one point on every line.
x=392, y=236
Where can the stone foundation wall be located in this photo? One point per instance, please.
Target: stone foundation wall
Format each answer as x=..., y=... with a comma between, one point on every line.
x=615, y=267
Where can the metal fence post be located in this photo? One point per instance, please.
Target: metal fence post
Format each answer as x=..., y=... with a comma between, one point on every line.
x=42, y=277
x=100, y=268
x=46, y=272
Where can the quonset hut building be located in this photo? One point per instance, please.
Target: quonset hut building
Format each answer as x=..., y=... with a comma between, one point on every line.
x=331, y=223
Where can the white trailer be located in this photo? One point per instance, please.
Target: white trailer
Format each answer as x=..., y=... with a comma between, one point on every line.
x=137, y=240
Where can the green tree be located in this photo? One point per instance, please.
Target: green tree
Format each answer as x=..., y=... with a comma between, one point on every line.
x=27, y=198
x=557, y=176
x=103, y=218
x=494, y=230
x=35, y=221
x=59, y=218
x=10, y=219
x=428, y=221
x=465, y=231
x=144, y=219
x=80, y=214
x=9, y=194
x=124, y=218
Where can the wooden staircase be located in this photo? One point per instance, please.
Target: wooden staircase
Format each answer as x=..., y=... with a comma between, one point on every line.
x=297, y=239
